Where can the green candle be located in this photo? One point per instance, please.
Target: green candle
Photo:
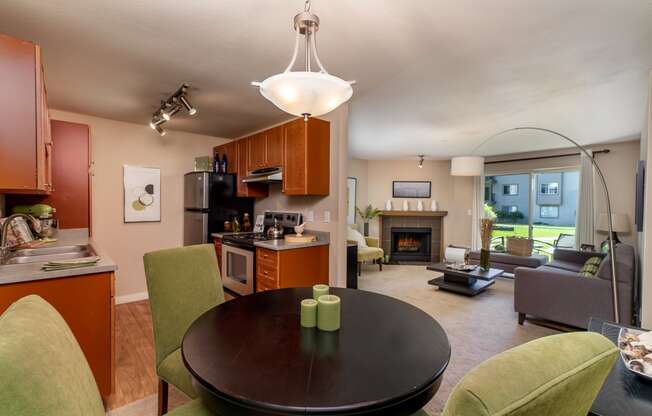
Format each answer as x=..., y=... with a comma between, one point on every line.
x=328, y=313
x=309, y=313
x=319, y=290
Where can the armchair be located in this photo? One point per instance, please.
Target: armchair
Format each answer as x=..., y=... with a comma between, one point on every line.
x=372, y=253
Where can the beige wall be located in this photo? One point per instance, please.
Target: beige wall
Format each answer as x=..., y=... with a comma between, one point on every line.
x=358, y=168
x=454, y=194
x=117, y=143
x=333, y=203
x=618, y=167
x=646, y=238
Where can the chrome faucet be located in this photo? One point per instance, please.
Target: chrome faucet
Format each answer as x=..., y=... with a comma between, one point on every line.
x=4, y=229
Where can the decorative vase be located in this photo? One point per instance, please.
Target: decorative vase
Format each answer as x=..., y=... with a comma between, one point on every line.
x=484, y=260
x=388, y=205
x=406, y=205
x=419, y=205
x=366, y=229
x=434, y=206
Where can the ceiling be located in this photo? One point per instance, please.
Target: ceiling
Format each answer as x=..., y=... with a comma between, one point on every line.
x=433, y=77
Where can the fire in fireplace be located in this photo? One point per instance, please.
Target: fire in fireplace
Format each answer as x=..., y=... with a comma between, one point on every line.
x=411, y=244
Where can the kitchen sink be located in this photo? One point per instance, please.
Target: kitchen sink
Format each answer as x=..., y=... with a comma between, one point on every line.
x=46, y=254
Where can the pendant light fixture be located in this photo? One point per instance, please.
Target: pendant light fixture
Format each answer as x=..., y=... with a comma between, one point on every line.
x=306, y=93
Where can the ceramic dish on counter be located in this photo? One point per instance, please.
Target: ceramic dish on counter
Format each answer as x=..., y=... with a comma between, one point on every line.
x=636, y=351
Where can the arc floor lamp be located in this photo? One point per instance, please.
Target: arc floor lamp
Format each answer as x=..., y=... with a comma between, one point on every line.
x=474, y=166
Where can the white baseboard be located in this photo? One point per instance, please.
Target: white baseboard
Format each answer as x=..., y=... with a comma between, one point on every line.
x=133, y=297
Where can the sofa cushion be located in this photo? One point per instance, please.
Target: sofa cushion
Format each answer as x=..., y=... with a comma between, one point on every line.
x=532, y=261
x=590, y=268
x=625, y=264
x=566, y=265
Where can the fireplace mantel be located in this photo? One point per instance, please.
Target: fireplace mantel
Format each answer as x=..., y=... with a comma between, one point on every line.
x=414, y=213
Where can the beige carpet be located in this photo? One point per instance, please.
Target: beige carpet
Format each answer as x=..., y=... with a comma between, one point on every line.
x=477, y=327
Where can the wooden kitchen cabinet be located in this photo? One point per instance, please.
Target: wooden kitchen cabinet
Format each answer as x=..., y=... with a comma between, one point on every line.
x=256, y=190
x=266, y=149
x=306, y=153
x=230, y=150
x=217, y=242
x=86, y=303
x=299, y=267
x=25, y=137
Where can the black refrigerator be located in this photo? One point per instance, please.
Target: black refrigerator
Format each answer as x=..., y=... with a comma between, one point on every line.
x=209, y=199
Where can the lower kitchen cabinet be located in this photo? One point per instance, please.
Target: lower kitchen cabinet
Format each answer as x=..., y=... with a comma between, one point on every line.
x=217, y=242
x=86, y=302
x=299, y=267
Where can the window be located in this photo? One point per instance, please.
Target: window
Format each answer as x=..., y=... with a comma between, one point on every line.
x=510, y=189
x=551, y=188
x=549, y=211
x=510, y=208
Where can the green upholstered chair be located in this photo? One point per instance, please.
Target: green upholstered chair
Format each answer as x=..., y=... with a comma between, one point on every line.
x=557, y=375
x=183, y=283
x=44, y=372
x=372, y=253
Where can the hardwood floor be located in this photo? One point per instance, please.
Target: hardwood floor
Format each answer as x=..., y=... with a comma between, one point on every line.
x=135, y=372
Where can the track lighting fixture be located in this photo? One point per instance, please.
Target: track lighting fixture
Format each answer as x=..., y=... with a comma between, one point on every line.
x=189, y=108
x=160, y=130
x=170, y=107
x=421, y=158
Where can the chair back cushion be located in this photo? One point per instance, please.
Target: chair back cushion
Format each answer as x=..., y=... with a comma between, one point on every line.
x=183, y=283
x=43, y=371
x=354, y=235
x=556, y=375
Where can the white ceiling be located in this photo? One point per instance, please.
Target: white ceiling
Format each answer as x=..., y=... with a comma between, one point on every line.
x=434, y=77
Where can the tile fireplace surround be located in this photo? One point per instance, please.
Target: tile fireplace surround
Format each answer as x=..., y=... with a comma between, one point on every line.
x=414, y=219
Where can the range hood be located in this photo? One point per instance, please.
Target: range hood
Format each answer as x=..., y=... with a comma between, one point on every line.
x=266, y=175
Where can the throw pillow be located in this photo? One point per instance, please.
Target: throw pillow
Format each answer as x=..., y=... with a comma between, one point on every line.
x=354, y=235
x=591, y=266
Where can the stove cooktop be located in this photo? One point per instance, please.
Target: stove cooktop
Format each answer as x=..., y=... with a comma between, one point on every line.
x=246, y=238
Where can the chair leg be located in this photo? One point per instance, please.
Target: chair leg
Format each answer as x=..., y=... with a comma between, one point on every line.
x=359, y=268
x=521, y=318
x=380, y=264
x=162, y=397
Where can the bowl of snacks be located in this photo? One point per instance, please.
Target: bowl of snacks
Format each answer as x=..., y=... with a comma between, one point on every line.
x=636, y=351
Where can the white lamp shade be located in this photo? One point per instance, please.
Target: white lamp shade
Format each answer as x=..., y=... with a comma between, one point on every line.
x=467, y=166
x=300, y=93
x=619, y=222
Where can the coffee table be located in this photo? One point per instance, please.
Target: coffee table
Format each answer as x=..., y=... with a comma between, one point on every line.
x=467, y=283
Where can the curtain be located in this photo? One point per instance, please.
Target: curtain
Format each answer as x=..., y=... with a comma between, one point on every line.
x=585, y=220
x=477, y=211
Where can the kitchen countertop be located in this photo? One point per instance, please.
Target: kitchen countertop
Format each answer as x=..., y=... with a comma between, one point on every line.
x=323, y=239
x=15, y=273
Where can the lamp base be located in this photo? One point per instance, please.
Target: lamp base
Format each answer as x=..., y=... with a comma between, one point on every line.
x=604, y=246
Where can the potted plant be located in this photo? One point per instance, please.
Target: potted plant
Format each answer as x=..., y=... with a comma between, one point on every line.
x=367, y=215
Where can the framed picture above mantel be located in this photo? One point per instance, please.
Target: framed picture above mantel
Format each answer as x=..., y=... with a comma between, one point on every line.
x=411, y=189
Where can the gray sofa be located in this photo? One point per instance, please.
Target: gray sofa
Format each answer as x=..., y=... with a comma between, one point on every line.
x=508, y=262
x=558, y=293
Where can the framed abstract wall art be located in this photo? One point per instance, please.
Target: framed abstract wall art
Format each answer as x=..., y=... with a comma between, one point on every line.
x=142, y=194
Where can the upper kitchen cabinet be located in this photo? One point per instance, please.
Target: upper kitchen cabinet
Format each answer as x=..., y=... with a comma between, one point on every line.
x=231, y=151
x=256, y=190
x=25, y=138
x=266, y=149
x=306, y=152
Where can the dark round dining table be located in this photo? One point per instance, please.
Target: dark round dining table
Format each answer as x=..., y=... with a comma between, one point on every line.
x=250, y=356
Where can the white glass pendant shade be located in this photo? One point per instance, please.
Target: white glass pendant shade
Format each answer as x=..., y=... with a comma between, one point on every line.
x=467, y=166
x=306, y=93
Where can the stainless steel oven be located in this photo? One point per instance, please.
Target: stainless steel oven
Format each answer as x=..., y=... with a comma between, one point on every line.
x=238, y=269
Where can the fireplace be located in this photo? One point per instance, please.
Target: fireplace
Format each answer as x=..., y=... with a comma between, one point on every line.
x=411, y=244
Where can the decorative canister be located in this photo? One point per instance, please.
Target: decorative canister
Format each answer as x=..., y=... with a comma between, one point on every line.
x=406, y=205
x=388, y=205
x=434, y=206
x=419, y=205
